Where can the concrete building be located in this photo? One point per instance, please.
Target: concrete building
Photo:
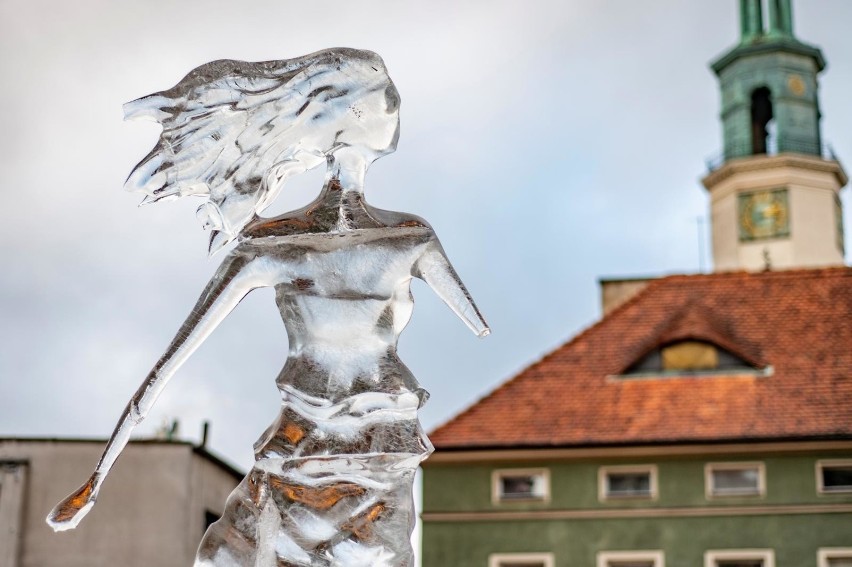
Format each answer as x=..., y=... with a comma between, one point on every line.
x=152, y=511
x=705, y=419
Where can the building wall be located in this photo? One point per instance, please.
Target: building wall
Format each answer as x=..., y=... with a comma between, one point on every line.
x=462, y=525
x=575, y=543
x=149, y=512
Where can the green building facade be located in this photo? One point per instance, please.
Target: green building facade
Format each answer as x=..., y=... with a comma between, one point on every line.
x=788, y=517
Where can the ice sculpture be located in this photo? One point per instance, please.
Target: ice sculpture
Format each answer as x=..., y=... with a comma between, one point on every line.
x=331, y=484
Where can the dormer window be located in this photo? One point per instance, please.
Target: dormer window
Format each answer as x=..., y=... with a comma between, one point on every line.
x=689, y=357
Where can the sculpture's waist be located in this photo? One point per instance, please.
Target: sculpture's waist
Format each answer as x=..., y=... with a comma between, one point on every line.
x=365, y=406
x=343, y=345
x=366, y=423
x=335, y=376
x=329, y=469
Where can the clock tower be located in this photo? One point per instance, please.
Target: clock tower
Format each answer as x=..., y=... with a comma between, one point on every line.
x=774, y=191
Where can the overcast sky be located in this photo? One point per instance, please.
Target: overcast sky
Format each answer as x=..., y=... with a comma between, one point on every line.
x=548, y=143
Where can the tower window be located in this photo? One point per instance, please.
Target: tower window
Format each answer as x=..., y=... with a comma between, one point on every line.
x=761, y=114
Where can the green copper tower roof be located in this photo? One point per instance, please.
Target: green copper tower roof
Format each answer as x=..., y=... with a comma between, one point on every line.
x=769, y=85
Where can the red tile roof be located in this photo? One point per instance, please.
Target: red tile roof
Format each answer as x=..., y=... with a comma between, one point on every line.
x=799, y=322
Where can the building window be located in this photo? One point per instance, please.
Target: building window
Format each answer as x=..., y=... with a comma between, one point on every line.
x=631, y=559
x=633, y=481
x=689, y=358
x=834, y=476
x=690, y=355
x=734, y=479
x=520, y=560
x=519, y=485
x=740, y=558
x=834, y=557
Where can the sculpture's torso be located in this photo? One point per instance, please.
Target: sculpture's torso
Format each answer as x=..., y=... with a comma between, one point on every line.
x=333, y=472
x=344, y=298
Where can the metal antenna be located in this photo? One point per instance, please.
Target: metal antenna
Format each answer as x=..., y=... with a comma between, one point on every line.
x=700, y=222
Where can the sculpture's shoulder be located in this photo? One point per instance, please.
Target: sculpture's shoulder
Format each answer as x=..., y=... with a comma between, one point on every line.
x=280, y=226
x=397, y=219
x=301, y=223
x=407, y=235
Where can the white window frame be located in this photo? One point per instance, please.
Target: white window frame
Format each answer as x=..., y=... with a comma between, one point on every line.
x=656, y=556
x=826, y=553
x=13, y=479
x=712, y=557
x=603, y=485
x=829, y=463
x=534, y=559
x=709, y=488
x=497, y=475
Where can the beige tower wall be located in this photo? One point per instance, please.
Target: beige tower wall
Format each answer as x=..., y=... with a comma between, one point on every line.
x=812, y=185
x=813, y=224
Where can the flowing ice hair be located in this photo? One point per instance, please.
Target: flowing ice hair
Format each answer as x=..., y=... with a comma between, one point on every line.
x=233, y=131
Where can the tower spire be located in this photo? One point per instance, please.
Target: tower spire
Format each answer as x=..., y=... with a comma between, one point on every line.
x=751, y=20
x=781, y=18
x=752, y=26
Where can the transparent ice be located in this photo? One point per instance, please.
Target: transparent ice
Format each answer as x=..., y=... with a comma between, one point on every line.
x=332, y=480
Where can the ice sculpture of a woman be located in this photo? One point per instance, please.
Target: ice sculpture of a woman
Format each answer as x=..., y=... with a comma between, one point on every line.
x=331, y=484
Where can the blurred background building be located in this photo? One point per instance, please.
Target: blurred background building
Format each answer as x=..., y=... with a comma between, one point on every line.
x=705, y=419
x=160, y=498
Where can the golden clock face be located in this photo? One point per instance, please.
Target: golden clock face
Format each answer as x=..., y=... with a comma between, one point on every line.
x=797, y=85
x=763, y=214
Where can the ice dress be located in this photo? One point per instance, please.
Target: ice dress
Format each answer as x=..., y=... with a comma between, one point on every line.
x=332, y=480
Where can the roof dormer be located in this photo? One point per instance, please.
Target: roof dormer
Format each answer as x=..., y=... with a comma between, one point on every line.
x=691, y=357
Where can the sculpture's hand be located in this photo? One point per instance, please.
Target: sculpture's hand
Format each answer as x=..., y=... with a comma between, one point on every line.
x=68, y=513
x=435, y=269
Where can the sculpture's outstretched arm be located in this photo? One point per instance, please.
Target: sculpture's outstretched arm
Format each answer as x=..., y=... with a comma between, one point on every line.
x=435, y=269
x=236, y=277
